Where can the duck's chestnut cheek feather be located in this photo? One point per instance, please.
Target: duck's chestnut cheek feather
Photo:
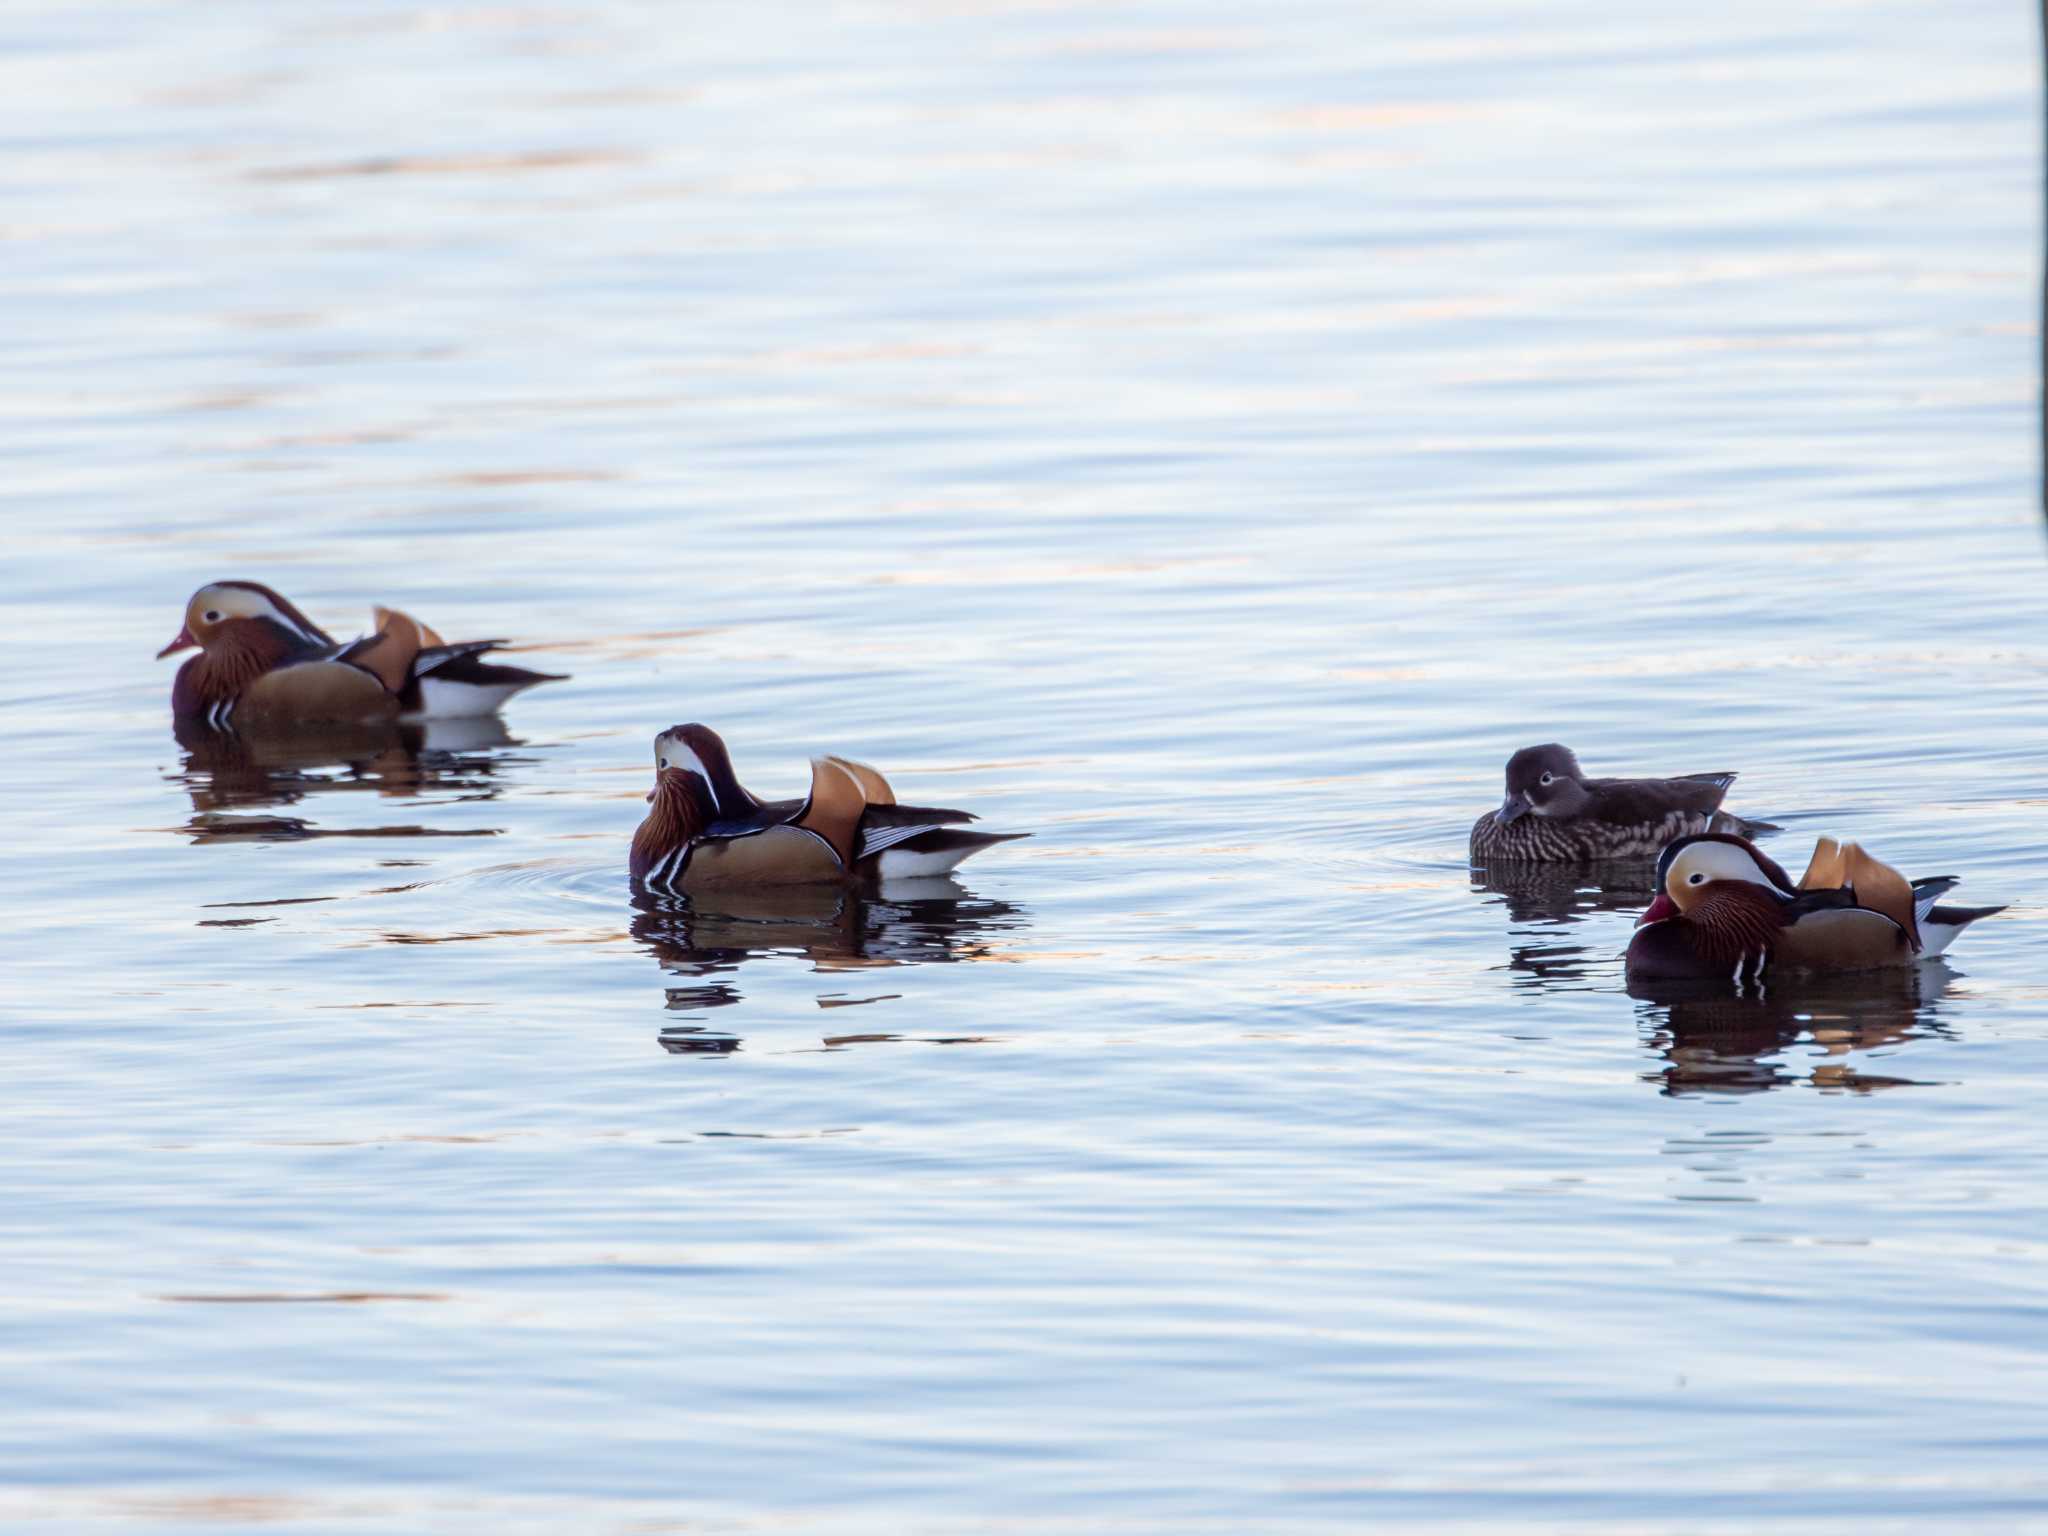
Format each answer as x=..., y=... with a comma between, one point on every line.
x=1658, y=910
x=181, y=641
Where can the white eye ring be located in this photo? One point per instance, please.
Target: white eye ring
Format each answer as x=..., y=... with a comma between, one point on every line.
x=1547, y=778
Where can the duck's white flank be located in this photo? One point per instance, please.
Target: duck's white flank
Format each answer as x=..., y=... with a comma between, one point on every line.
x=904, y=864
x=444, y=699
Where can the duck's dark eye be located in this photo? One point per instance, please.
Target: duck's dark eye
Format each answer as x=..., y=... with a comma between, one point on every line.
x=1694, y=879
x=213, y=615
x=1547, y=779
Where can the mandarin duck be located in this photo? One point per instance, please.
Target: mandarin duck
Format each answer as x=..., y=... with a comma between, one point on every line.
x=1554, y=814
x=263, y=661
x=706, y=830
x=1725, y=911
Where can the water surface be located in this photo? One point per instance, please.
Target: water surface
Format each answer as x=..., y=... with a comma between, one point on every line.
x=1208, y=438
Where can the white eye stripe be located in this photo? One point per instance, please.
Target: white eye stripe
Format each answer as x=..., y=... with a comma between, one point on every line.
x=1717, y=861
x=689, y=762
x=235, y=603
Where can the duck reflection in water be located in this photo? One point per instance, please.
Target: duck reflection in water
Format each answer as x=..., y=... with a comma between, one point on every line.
x=1546, y=902
x=1714, y=1041
x=705, y=939
x=229, y=773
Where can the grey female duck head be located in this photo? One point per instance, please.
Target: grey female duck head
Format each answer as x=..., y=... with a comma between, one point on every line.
x=1544, y=781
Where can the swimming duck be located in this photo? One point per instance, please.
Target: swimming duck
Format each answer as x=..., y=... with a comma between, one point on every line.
x=262, y=660
x=1726, y=911
x=706, y=830
x=1554, y=814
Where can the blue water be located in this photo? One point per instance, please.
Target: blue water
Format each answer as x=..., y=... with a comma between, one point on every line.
x=1207, y=438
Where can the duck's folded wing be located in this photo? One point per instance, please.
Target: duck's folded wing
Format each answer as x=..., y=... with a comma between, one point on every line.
x=433, y=657
x=776, y=813
x=401, y=649
x=885, y=826
x=1719, y=781
x=834, y=808
x=1831, y=884
x=1877, y=886
x=1808, y=902
x=1825, y=870
x=873, y=787
x=381, y=618
x=1633, y=801
x=448, y=681
x=388, y=655
x=1930, y=890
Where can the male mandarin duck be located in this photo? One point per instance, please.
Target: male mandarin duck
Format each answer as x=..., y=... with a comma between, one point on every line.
x=261, y=660
x=1554, y=814
x=1725, y=911
x=706, y=830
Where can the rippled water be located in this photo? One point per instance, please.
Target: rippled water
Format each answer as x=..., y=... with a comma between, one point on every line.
x=1208, y=438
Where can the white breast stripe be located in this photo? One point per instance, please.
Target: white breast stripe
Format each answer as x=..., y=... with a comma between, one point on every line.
x=664, y=870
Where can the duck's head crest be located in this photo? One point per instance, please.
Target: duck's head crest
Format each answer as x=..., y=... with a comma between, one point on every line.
x=1690, y=866
x=218, y=604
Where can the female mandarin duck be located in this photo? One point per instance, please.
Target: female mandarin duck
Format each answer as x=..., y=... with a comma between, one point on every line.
x=1724, y=911
x=262, y=660
x=706, y=830
x=1554, y=814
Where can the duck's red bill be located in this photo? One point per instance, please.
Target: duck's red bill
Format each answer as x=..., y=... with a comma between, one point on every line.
x=182, y=641
x=1658, y=910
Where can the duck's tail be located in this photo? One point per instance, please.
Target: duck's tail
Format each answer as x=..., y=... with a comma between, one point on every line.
x=1938, y=929
x=1742, y=826
x=935, y=851
x=454, y=681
